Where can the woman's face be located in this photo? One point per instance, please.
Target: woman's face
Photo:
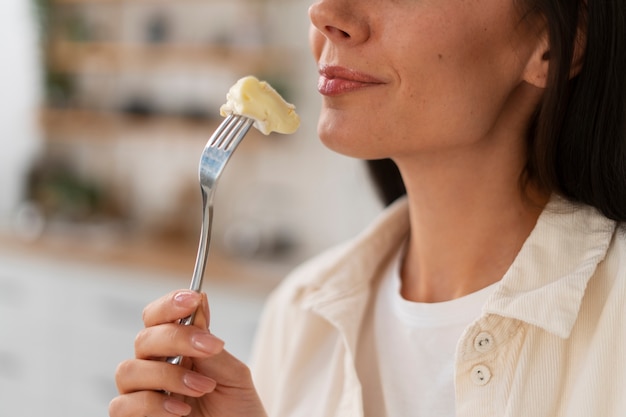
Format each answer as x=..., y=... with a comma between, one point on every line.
x=403, y=76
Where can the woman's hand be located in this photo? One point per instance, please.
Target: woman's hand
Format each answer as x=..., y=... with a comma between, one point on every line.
x=210, y=382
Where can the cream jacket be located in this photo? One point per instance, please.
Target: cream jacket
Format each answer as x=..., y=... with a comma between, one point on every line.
x=551, y=341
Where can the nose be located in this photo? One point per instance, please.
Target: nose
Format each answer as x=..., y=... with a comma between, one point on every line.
x=340, y=21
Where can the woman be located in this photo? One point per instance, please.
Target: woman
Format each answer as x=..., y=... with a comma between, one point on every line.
x=496, y=286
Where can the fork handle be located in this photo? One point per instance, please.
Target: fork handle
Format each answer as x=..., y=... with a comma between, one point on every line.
x=201, y=257
x=203, y=245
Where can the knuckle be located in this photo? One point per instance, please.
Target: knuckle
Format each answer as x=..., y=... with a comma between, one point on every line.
x=145, y=401
x=123, y=370
x=174, y=333
x=241, y=371
x=116, y=407
x=180, y=339
x=140, y=340
x=177, y=338
x=145, y=314
x=132, y=405
x=152, y=403
x=165, y=375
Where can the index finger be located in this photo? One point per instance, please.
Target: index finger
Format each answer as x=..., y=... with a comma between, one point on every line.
x=171, y=307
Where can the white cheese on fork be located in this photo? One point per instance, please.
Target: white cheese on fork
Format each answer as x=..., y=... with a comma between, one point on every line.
x=259, y=101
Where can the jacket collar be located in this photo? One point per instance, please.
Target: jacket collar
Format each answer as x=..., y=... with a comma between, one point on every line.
x=546, y=283
x=544, y=286
x=341, y=280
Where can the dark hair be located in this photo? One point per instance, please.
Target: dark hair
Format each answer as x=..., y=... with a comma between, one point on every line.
x=387, y=179
x=577, y=140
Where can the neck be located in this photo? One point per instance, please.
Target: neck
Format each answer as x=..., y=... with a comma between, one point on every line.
x=467, y=223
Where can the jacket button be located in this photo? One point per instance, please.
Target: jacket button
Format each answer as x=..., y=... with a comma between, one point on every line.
x=481, y=375
x=484, y=342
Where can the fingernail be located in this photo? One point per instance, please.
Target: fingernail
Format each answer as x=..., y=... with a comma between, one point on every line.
x=207, y=343
x=177, y=407
x=199, y=383
x=186, y=298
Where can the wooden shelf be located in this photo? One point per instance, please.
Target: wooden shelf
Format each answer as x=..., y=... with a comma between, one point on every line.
x=76, y=124
x=69, y=2
x=92, y=57
x=164, y=256
x=63, y=125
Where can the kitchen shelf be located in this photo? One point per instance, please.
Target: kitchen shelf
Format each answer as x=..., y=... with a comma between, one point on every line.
x=132, y=93
x=93, y=57
x=176, y=258
x=71, y=124
x=79, y=124
x=70, y=2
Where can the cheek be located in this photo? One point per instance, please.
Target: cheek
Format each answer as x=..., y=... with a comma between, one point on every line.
x=458, y=81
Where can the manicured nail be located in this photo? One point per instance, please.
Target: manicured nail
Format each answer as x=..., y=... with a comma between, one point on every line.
x=186, y=298
x=177, y=407
x=199, y=382
x=207, y=343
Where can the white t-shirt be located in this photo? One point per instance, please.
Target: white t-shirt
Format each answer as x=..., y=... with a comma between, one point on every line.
x=415, y=347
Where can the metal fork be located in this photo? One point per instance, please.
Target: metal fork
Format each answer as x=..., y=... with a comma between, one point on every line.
x=216, y=154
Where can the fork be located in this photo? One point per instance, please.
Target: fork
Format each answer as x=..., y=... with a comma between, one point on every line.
x=216, y=154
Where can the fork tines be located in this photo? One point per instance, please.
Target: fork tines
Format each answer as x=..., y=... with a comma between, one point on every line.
x=230, y=131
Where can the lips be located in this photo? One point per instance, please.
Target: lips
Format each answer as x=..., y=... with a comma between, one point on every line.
x=336, y=80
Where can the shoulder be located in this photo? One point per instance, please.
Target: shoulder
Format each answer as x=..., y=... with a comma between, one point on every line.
x=605, y=297
x=613, y=267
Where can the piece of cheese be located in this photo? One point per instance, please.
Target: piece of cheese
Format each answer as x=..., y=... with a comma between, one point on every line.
x=259, y=101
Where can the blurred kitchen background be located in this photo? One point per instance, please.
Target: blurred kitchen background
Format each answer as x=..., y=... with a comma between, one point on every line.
x=105, y=108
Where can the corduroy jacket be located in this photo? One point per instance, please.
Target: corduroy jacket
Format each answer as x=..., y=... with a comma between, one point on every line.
x=550, y=342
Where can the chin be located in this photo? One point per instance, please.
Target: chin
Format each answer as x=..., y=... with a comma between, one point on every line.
x=352, y=140
x=342, y=141
x=354, y=146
